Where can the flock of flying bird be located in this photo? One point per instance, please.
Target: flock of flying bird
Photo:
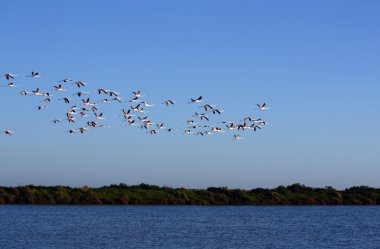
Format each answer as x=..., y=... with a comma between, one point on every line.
x=89, y=115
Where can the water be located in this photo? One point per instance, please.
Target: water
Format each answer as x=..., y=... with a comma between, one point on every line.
x=189, y=227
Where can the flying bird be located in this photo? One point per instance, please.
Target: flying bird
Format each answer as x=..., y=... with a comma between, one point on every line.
x=80, y=93
x=65, y=80
x=237, y=137
x=66, y=100
x=137, y=94
x=168, y=102
x=10, y=85
x=40, y=107
x=248, y=123
x=79, y=83
x=198, y=100
x=216, y=111
x=34, y=75
x=207, y=106
x=9, y=76
x=8, y=132
x=56, y=120
x=59, y=88
x=263, y=107
x=102, y=90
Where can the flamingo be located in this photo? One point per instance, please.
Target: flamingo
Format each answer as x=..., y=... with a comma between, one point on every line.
x=168, y=102
x=9, y=76
x=34, y=75
x=263, y=107
x=198, y=100
x=8, y=132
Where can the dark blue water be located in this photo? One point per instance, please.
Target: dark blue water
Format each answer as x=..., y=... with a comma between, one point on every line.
x=189, y=227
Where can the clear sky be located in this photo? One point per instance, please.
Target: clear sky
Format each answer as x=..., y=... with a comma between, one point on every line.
x=315, y=62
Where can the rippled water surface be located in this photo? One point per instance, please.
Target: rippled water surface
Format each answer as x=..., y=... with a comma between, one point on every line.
x=189, y=227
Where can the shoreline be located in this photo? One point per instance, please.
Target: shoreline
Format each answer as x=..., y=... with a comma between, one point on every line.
x=144, y=194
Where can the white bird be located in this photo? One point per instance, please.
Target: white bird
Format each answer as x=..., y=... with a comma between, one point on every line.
x=87, y=102
x=72, y=112
x=46, y=94
x=201, y=116
x=198, y=100
x=127, y=114
x=226, y=122
x=10, y=85
x=65, y=80
x=99, y=116
x=161, y=126
x=251, y=119
x=82, y=129
x=147, y=104
x=137, y=94
x=59, y=88
x=215, y=111
x=91, y=123
x=232, y=127
x=255, y=127
x=237, y=137
x=168, y=102
x=135, y=99
x=73, y=108
x=152, y=132
x=262, y=123
x=136, y=108
x=144, y=119
x=23, y=92
x=199, y=133
x=114, y=93
x=118, y=99
x=147, y=124
x=56, y=120
x=106, y=101
x=34, y=75
x=36, y=92
x=40, y=107
x=80, y=93
x=79, y=83
x=102, y=90
x=244, y=126
x=207, y=106
x=216, y=129
x=131, y=122
x=263, y=107
x=70, y=118
x=8, y=132
x=66, y=100
x=9, y=76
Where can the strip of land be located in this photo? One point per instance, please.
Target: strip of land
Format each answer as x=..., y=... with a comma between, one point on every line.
x=143, y=194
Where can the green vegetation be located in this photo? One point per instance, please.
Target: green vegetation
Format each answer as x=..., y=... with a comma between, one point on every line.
x=144, y=194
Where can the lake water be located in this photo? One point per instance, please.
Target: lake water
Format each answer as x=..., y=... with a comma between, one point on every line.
x=189, y=227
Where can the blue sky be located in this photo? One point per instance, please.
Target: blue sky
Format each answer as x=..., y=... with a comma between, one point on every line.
x=315, y=62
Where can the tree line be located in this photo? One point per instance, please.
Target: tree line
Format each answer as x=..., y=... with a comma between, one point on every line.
x=144, y=194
